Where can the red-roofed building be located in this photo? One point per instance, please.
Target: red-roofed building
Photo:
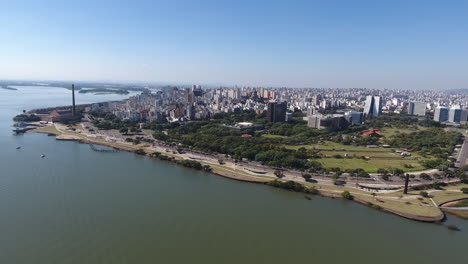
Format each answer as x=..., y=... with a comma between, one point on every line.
x=406, y=150
x=246, y=135
x=58, y=116
x=371, y=133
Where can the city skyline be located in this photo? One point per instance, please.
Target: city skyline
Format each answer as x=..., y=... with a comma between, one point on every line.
x=417, y=45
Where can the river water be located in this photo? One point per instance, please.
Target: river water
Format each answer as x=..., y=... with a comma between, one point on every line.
x=80, y=206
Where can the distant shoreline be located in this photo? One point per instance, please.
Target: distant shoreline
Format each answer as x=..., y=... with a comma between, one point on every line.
x=8, y=88
x=104, y=91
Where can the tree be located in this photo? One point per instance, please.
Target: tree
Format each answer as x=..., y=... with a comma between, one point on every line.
x=307, y=177
x=313, y=190
x=289, y=185
x=425, y=176
x=155, y=154
x=278, y=173
x=362, y=173
x=123, y=130
x=140, y=152
x=347, y=195
x=464, y=190
x=397, y=172
x=337, y=156
x=424, y=194
x=191, y=164
x=26, y=118
x=347, y=140
x=335, y=177
x=382, y=171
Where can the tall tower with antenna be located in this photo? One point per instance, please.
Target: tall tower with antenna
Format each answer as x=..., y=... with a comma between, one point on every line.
x=73, y=100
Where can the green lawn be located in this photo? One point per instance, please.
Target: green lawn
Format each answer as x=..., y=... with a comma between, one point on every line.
x=371, y=165
x=370, y=154
x=449, y=194
x=390, y=201
x=272, y=136
x=378, y=157
x=462, y=203
x=464, y=131
x=47, y=129
x=337, y=146
x=390, y=131
x=147, y=131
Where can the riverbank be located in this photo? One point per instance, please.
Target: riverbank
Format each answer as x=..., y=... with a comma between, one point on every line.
x=217, y=169
x=412, y=206
x=456, y=204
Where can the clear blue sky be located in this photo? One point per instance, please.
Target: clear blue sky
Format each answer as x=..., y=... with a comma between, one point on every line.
x=380, y=44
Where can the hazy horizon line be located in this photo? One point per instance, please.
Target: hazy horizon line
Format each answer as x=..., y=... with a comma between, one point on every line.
x=207, y=84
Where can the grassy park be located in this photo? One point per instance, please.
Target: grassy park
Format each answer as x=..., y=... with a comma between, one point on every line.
x=412, y=204
x=355, y=157
x=449, y=193
x=392, y=131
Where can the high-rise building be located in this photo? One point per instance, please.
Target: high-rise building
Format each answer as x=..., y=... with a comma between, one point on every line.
x=313, y=121
x=441, y=114
x=325, y=104
x=464, y=116
x=197, y=90
x=276, y=112
x=373, y=106
x=310, y=111
x=454, y=115
x=330, y=122
x=191, y=112
x=190, y=97
x=417, y=108
x=316, y=99
x=237, y=94
x=355, y=118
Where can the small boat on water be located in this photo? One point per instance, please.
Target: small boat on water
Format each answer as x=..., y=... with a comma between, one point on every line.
x=308, y=197
x=42, y=156
x=18, y=147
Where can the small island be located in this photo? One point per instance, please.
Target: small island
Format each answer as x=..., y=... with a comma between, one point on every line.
x=8, y=88
x=104, y=91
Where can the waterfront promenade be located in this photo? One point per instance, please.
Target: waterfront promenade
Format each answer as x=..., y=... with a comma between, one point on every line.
x=413, y=205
